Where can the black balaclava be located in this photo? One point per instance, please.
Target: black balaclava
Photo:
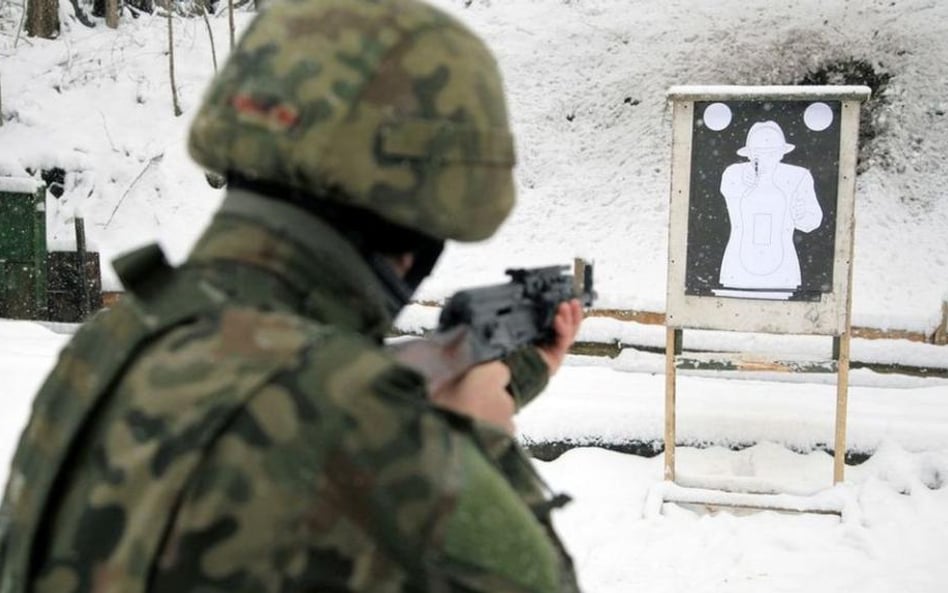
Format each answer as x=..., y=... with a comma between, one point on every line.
x=373, y=237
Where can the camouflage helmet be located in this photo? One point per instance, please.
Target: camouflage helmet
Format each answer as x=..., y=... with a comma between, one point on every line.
x=388, y=105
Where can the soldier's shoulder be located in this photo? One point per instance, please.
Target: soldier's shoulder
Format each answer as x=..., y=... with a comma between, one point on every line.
x=318, y=342
x=337, y=363
x=318, y=359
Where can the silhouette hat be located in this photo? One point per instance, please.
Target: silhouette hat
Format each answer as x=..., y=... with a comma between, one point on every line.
x=765, y=136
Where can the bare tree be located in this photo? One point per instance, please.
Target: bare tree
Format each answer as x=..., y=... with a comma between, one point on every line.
x=111, y=14
x=42, y=18
x=81, y=15
x=230, y=16
x=19, y=27
x=174, y=88
x=210, y=33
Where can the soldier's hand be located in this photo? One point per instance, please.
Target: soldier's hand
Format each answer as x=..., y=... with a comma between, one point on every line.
x=482, y=394
x=569, y=316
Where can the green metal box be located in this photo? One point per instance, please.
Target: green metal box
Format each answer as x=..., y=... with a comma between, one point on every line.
x=23, y=256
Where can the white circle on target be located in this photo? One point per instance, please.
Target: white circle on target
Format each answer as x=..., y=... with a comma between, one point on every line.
x=717, y=116
x=818, y=117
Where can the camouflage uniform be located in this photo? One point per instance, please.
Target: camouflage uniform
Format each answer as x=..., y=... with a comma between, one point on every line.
x=234, y=424
x=249, y=445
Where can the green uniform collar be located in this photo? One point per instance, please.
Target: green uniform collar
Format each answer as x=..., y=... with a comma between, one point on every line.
x=314, y=270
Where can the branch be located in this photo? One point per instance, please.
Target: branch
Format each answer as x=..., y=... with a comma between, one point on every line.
x=210, y=33
x=80, y=15
x=174, y=89
x=20, y=26
x=151, y=162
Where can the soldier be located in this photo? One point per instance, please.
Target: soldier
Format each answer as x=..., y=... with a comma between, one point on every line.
x=234, y=424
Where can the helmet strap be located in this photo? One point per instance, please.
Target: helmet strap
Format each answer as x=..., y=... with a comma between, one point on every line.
x=398, y=291
x=373, y=236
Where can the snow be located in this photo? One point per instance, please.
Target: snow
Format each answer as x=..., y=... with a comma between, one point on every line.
x=418, y=318
x=893, y=524
x=19, y=185
x=616, y=402
x=587, y=82
x=27, y=352
x=698, y=93
x=891, y=539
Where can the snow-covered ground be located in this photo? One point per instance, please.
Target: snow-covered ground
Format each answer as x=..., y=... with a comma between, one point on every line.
x=890, y=538
x=587, y=82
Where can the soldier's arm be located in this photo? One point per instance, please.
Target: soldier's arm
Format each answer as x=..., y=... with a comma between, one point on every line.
x=492, y=392
x=531, y=367
x=429, y=496
x=529, y=375
x=342, y=475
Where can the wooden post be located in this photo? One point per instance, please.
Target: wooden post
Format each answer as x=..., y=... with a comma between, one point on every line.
x=940, y=336
x=672, y=348
x=230, y=20
x=111, y=14
x=842, y=396
x=847, y=181
x=81, y=264
x=40, y=255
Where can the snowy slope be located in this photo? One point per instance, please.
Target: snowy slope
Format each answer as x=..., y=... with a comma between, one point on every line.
x=587, y=82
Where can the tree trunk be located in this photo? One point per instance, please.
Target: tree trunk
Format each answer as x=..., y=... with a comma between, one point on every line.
x=210, y=34
x=111, y=14
x=42, y=18
x=230, y=12
x=174, y=89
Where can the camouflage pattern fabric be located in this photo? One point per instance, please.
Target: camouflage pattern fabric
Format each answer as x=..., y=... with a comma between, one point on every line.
x=393, y=103
x=257, y=437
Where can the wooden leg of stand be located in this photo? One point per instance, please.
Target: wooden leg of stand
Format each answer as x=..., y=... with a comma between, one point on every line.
x=672, y=347
x=842, y=395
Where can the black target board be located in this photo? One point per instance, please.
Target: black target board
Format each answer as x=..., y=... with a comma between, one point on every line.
x=761, y=208
x=762, y=213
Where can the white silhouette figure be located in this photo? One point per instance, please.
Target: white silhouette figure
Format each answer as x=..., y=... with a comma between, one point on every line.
x=766, y=200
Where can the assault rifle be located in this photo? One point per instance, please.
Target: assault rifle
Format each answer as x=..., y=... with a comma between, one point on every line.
x=487, y=323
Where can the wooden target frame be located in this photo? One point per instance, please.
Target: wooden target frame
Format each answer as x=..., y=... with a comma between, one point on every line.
x=721, y=274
